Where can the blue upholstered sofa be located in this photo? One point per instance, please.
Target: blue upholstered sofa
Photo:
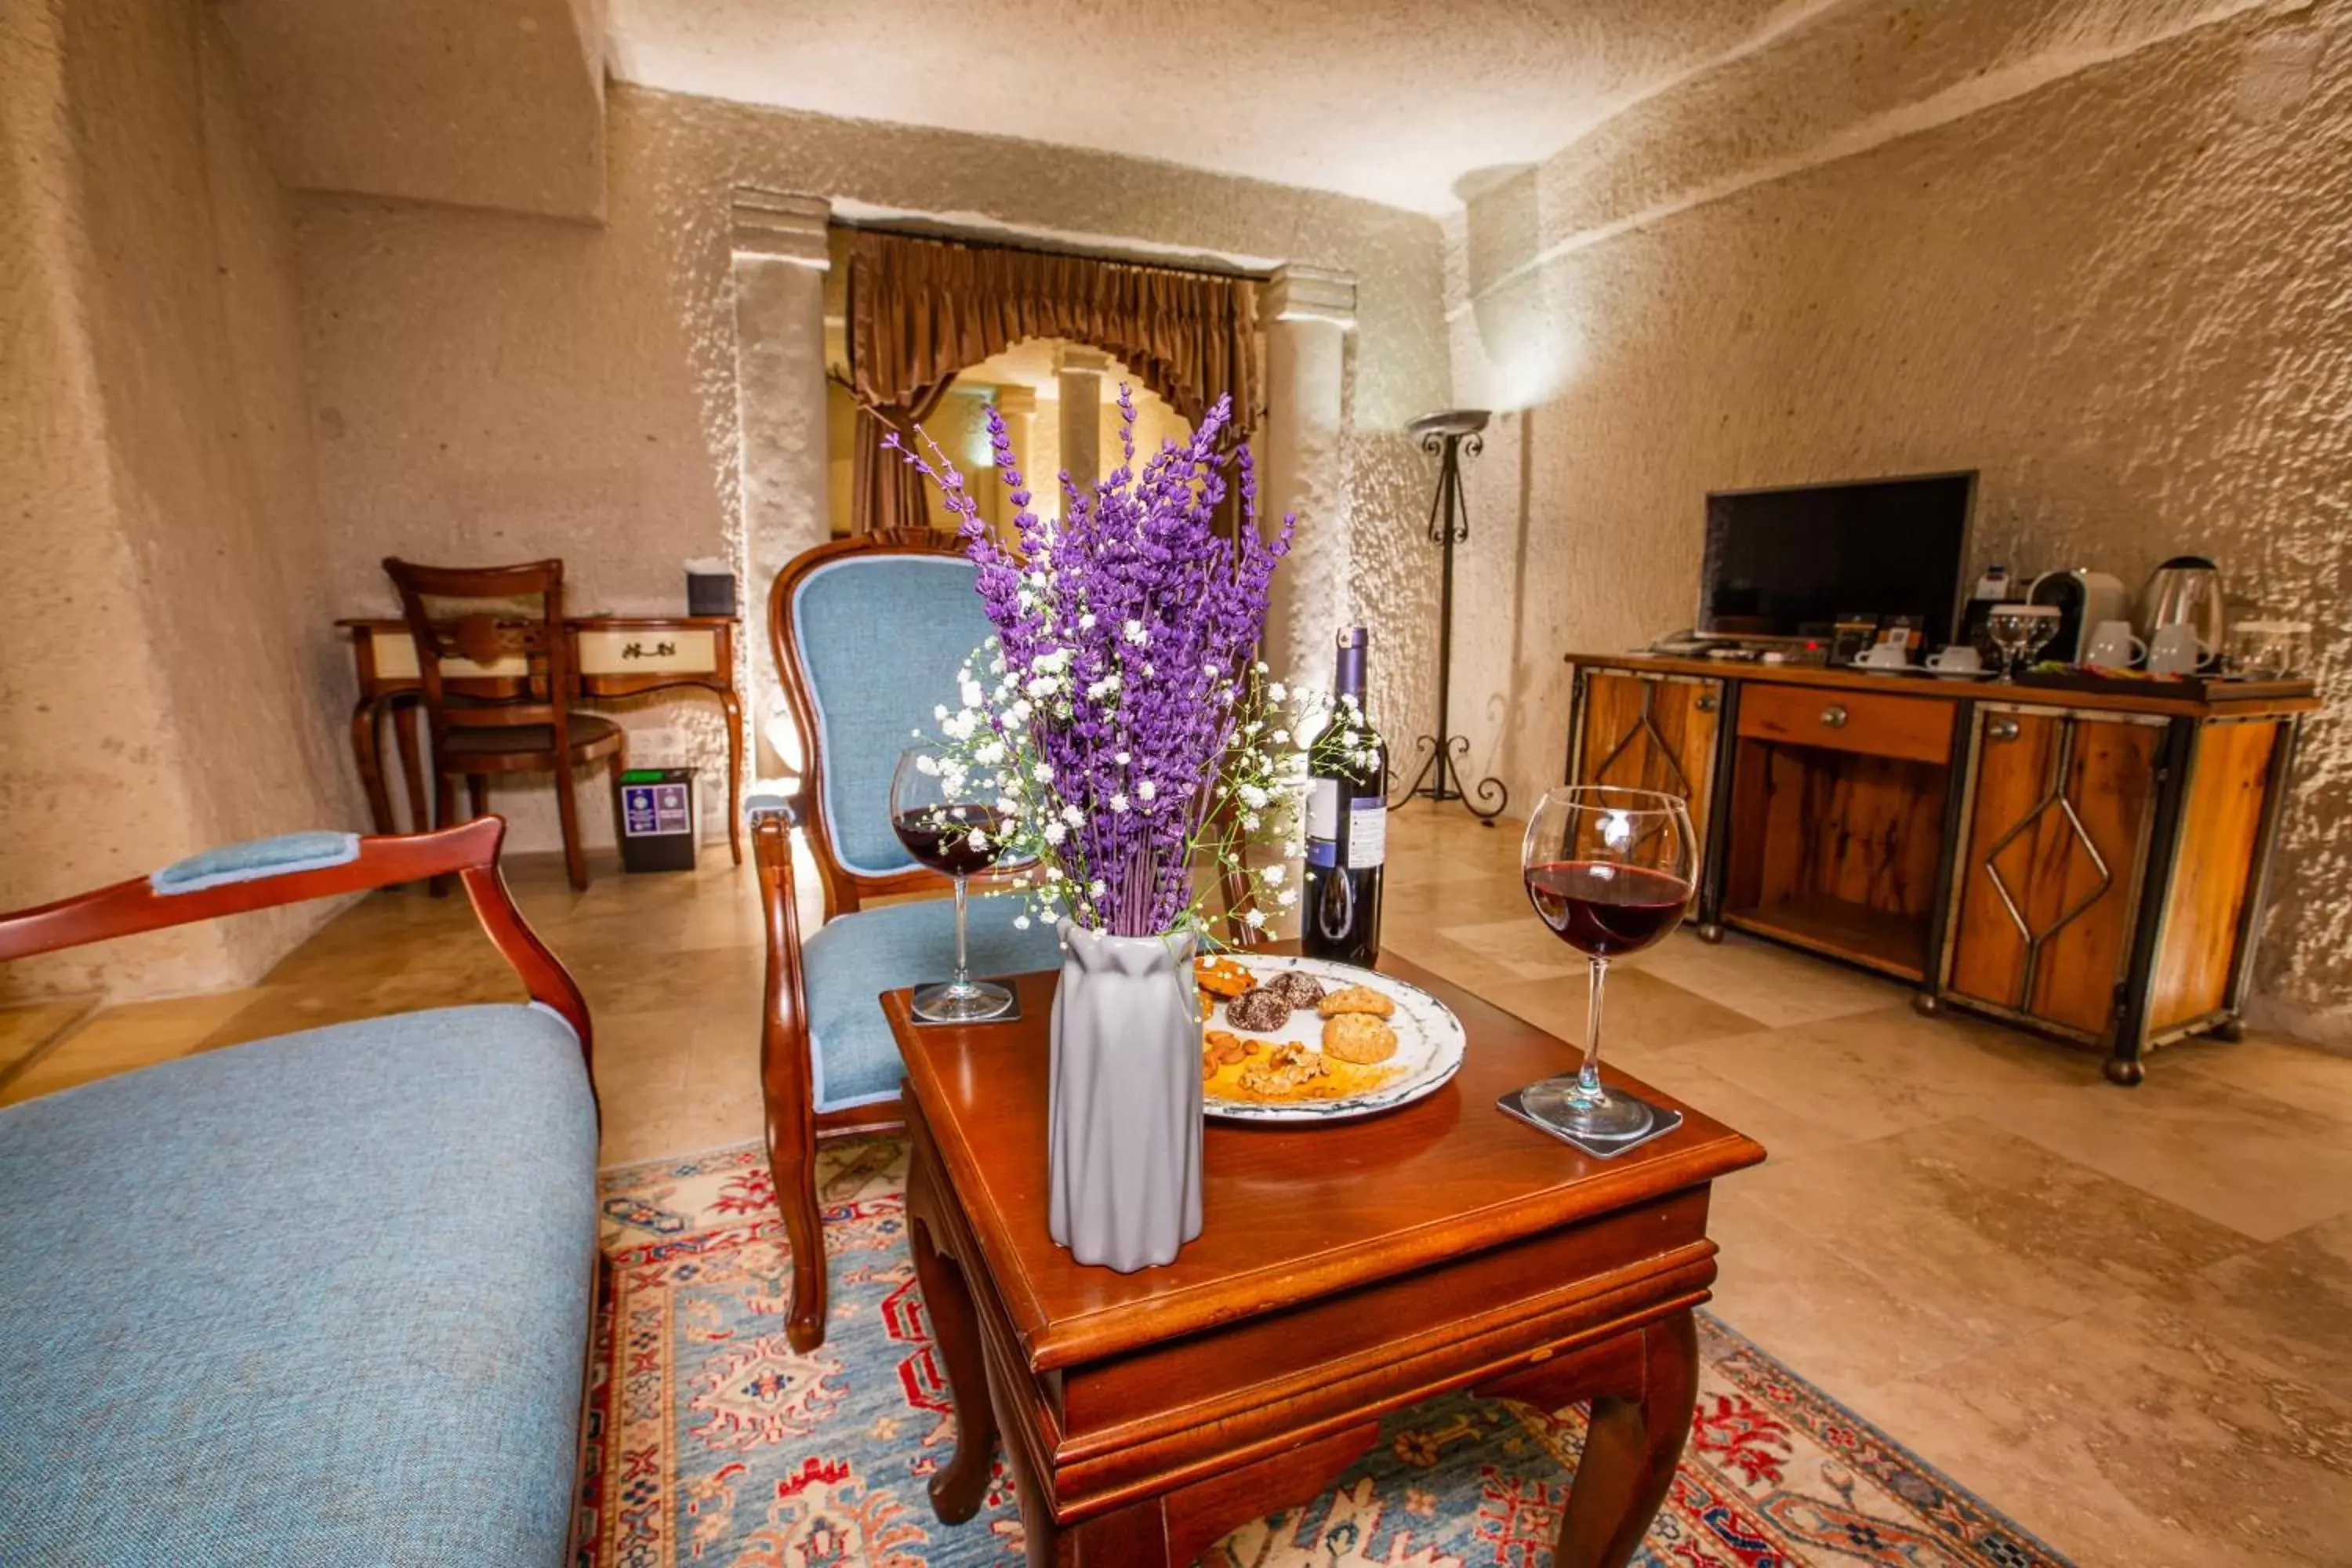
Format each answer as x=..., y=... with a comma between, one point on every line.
x=323, y=1299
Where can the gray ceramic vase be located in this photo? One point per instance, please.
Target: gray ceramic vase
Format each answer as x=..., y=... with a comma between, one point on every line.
x=1123, y=1123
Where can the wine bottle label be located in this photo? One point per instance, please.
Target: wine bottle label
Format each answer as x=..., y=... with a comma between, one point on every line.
x=1367, y=834
x=1323, y=822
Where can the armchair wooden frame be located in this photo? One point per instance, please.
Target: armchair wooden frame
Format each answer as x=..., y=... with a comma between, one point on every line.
x=793, y=1122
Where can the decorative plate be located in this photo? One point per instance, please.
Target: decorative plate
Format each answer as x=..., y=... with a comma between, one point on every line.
x=1429, y=1044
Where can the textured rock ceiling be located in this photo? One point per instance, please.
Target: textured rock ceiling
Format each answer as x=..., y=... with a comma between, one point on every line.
x=1401, y=101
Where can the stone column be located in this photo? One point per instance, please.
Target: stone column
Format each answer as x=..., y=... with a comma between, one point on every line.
x=780, y=261
x=1079, y=372
x=1306, y=313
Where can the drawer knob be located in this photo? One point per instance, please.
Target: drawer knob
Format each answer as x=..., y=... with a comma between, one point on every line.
x=1834, y=715
x=1706, y=703
x=2000, y=728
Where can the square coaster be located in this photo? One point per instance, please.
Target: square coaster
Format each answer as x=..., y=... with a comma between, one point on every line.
x=1514, y=1104
x=1011, y=1015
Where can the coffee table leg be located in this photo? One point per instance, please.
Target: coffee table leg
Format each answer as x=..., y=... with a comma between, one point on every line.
x=958, y=1489
x=1630, y=1451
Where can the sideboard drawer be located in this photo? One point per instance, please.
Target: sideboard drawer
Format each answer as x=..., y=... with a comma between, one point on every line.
x=1917, y=728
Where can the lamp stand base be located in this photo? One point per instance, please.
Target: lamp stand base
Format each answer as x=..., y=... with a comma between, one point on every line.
x=1441, y=768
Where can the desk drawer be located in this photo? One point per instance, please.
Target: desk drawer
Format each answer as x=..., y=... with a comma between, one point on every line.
x=1916, y=728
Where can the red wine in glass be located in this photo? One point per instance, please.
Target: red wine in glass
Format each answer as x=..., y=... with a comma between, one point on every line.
x=1605, y=911
x=940, y=837
x=1610, y=871
x=937, y=828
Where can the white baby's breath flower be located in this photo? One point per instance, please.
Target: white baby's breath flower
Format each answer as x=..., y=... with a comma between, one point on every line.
x=1133, y=632
x=1274, y=875
x=941, y=712
x=927, y=764
x=1251, y=821
x=1253, y=796
x=1253, y=918
x=1288, y=897
x=1278, y=692
x=1020, y=922
x=1074, y=816
x=1043, y=772
x=979, y=837
x=1055, y=832
x=1120, y=759
x=1280, y=737
x=1146, y=790
x=1208, y=666
x=1119, y=802
x=1097, y=888
x=1086, y=621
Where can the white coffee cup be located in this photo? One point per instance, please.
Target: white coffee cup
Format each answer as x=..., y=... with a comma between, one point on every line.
x=2175, y=650
x=1886, y=656
x=1961, y=658
x=2113, y=646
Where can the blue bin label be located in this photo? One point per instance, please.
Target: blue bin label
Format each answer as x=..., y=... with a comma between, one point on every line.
x=647, y=809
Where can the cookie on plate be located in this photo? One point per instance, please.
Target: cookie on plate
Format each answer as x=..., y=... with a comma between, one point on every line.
x=1259, y=1011
x=1296, y=987
x=1358, y=1038
x=1356, y=999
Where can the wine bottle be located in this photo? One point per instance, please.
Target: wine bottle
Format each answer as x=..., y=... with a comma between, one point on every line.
x=1346, y=821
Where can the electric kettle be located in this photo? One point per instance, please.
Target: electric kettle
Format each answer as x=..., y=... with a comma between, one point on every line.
x=2186, y=591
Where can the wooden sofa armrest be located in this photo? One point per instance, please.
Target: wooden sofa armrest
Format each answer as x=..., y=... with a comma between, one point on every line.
x=149, y=904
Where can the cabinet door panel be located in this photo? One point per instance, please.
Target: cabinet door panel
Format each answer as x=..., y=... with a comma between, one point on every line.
x=2056, y=823
x=1652, y=734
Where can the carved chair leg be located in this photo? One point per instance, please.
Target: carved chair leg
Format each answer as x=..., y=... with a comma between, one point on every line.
x=794, y=1174
x=567, y=811
x=444, y=815
x=478, y=795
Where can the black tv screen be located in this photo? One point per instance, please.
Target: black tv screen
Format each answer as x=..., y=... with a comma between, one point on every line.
x=1790, y=562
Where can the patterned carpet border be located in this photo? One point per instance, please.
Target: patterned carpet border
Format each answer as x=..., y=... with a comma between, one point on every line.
x=711, y=1441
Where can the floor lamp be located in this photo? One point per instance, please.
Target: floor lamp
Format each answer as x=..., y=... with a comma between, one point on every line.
x=1449, y=437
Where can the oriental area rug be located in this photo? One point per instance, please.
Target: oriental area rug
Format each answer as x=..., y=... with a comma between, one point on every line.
x=712, y=1441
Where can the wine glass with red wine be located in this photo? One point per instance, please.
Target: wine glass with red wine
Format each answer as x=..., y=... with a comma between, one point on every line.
x=956, y=832
x=1609, y=870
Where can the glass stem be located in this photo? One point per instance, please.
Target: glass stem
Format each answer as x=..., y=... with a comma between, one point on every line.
x=1588, y=1076
x=962, y=968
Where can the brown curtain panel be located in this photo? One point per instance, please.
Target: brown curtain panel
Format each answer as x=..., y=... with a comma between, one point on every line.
x=922, y=309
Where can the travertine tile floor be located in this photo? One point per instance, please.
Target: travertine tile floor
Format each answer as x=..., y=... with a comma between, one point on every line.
x=2124, y=1316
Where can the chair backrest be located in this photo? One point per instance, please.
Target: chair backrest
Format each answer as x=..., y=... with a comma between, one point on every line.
x=869, y=633
x=511, y=661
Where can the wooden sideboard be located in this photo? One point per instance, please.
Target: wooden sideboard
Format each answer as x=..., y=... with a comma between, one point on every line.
x=618, y=657
x=2089, y=864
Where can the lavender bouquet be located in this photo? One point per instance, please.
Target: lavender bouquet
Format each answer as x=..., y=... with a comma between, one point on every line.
x=1120, y=713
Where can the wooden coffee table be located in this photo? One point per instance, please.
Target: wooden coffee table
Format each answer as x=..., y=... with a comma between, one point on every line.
x=1342, y=1271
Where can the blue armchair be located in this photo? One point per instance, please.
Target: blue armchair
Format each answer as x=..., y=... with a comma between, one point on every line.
x=869, y=635
x=319, y=1299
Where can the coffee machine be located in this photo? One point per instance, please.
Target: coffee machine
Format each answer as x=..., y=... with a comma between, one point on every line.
x=2083, y=598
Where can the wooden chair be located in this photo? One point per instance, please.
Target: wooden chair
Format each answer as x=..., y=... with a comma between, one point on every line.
x=869, y=635
x=511, y=710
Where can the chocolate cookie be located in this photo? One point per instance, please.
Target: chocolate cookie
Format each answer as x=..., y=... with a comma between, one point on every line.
x=1296, y=987
x=1259, y=1010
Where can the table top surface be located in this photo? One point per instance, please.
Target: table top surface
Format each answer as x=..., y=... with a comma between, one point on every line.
x=2230, y=698
x=1289, y=1214
x=388, y=623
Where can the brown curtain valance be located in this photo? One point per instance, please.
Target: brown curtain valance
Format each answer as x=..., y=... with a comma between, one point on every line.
x=922, y=309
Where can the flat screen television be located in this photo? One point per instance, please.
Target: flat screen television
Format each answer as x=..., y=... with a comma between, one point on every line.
x=1790, y=562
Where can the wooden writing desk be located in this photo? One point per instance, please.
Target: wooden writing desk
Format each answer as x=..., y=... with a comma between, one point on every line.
x=619, y=656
